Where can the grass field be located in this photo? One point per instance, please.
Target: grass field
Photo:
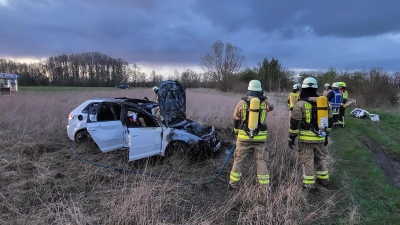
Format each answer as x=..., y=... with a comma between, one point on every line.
x=61, y=88
x=367, y=159
x=41, y=181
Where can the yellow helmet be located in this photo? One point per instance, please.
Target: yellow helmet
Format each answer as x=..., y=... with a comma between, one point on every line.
x=342, y=84
x=254, y=85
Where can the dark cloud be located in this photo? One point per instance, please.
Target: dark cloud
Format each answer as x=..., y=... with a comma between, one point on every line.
x=302, y=34
x=340, y=18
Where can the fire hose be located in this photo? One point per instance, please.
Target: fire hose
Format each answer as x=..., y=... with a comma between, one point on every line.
x=133, y=171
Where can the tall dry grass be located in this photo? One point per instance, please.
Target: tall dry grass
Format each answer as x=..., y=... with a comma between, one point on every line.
x=41, y=182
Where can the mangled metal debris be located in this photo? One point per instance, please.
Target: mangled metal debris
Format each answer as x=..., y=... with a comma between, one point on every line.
x=361, y=113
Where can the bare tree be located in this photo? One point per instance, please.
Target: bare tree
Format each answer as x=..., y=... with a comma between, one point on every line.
x=396, y=79
x=222, y=61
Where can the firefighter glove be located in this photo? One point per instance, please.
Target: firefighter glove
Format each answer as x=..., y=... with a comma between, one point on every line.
x=291, y=141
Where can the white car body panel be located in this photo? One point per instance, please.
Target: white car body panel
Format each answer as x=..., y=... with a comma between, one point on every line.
x=74, y=124
x=108, y=135
x=144, y=142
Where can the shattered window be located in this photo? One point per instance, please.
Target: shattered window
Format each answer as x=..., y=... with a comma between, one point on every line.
x=106, y=113
x=139, y=119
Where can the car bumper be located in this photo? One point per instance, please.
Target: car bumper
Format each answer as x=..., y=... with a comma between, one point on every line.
x=71, y=132
x=210, y=141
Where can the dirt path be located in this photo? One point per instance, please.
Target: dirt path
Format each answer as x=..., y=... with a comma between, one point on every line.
x=388, y=161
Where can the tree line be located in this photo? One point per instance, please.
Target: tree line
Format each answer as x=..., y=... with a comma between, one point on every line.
x=222, y=69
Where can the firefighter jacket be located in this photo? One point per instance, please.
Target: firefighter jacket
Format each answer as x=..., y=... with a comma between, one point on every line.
x=335, y=99
x=240, y=119
x=300, y=122
x=293, y=97
x=345, y=96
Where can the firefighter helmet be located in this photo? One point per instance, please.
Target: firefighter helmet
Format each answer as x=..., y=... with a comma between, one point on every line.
x=335, y=85
x=327, y=85
x=342, y=84
x=309, y=82
x=296, y=86
x=155, y=88
x=254, y=85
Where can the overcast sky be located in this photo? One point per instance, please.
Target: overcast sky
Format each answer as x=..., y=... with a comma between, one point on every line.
x=174, y=34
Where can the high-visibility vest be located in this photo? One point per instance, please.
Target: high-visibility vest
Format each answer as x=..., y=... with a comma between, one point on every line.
x=345, y=95
x=293, y=97
x=261, y=131
x=336, y=101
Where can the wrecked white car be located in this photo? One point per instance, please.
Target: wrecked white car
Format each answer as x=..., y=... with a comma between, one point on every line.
x=123, y=123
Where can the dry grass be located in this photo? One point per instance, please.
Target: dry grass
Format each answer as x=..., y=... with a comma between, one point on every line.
x=43, y=183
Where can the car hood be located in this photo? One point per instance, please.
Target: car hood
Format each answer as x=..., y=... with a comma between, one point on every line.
x=172, y=102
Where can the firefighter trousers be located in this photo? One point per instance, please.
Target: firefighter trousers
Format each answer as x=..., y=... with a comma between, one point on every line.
x=341, y=116
x=335, y=119
x=312, y=160
x=243, y=148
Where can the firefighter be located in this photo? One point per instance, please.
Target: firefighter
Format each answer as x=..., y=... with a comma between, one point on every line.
x=342, y=88
x=156, y=111
x=328, y=88
x=309, y=113
x=335, y=98
x=250, y=129
x=293, y=96
x=155, y=89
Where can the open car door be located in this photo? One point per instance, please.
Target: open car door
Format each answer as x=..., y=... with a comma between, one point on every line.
x=144, y=133
x=105, y=127
x=144, y=142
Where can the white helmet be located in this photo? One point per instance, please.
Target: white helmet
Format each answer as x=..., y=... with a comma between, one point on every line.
x=335, y=85
x=254, y=85
x=327, y=85
x=296, y=86
x=155, y=88
x=309, y=82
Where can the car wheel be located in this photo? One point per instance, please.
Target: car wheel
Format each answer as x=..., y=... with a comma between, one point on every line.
x=83, y=137
x=177, y=147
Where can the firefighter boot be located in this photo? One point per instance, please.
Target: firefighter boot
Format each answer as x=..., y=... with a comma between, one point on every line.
x=323, y=182
x=310, y=187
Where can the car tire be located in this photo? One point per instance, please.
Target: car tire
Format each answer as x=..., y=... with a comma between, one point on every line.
x=83, y=137
x=177, y=147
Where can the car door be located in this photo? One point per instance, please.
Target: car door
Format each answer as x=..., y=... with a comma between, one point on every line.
x=144, y=142
x=106, y=128
x=144, y=135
